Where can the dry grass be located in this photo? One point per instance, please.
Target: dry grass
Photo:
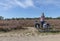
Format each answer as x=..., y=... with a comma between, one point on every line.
x=18, y=24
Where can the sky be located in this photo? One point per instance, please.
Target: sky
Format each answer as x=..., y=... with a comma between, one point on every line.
x=29, y=8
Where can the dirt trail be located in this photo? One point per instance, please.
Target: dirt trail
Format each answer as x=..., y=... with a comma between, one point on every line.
x=31, y=38
x=27, y=35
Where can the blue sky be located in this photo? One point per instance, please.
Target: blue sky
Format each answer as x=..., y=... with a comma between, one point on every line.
x=29, y=8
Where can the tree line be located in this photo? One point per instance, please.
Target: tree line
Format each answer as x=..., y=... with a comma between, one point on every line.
x=2, y=18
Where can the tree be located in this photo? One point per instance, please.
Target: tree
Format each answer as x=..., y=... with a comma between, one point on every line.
x=58, y=18
x=1, y=18
x=49, y=18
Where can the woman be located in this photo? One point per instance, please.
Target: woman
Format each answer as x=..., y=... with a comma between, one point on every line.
x=42, y=19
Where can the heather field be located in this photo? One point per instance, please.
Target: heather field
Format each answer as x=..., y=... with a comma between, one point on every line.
x=24, y=30
x=11, y=24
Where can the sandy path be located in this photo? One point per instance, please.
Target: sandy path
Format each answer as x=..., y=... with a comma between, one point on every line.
x=19, y=36
x=31, y=38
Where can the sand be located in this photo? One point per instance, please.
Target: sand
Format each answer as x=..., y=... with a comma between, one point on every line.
x=31, y=38
x=26, y=35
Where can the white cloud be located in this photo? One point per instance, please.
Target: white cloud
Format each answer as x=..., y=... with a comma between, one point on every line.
x=25, y=4
x=7, y=4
